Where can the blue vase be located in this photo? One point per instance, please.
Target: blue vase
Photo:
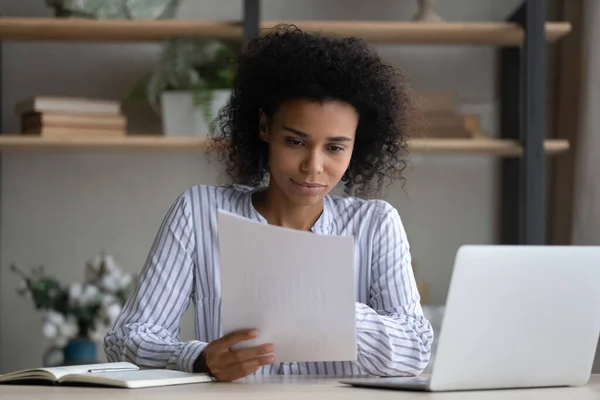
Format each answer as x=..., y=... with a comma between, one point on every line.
x=77, y=351
x=80, y=351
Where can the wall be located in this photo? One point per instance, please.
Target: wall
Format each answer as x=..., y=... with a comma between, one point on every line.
x=586, y=207
x=61, y=209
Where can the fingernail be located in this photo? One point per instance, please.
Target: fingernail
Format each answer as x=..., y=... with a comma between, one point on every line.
x=254, y=333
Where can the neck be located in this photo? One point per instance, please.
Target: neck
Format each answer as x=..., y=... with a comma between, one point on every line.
x=277, y=210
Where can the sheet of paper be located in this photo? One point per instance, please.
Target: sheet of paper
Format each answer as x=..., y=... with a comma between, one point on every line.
x=297, y=288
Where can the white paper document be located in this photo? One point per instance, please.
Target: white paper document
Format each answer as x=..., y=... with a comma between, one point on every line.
x=297, y=288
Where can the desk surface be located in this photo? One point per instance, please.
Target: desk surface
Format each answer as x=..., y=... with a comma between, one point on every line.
x=288, y=387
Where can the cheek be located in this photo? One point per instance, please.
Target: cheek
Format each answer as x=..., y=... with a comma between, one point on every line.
x=338, y=165
x=281, y=160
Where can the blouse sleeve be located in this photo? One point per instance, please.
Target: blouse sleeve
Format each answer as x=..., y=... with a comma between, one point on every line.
x=394, y=338
x=147, y=331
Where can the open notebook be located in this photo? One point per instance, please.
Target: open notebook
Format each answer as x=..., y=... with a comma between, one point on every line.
x=118, y=374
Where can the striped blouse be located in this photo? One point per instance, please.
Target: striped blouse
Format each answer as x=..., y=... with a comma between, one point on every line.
x=393, y=336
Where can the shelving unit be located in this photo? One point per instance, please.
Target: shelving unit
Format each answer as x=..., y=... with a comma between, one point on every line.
x=522, y=40
x=160, y=144
x=378, y=32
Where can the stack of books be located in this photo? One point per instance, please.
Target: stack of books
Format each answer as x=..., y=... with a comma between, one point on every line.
x=442, y=121
x=63, y=117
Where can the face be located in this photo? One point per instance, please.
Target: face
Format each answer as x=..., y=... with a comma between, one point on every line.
x=310, y=147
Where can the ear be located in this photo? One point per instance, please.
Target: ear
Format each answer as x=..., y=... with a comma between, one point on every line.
x=263, y=124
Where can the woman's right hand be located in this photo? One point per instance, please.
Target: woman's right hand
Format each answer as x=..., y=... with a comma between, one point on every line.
x=228, y=365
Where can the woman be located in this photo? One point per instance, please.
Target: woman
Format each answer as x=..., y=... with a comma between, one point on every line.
x=307, y=112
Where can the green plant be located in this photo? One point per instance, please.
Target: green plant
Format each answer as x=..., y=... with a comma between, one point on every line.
x=78, y=309
x=197, y=64
x=115, y=9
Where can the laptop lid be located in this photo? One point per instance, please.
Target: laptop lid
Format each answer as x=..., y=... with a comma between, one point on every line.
x=519, y=316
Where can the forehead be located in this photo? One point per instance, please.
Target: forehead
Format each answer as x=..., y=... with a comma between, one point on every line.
x=318, y=118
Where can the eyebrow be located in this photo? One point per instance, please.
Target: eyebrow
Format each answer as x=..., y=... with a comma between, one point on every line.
x=306, y=135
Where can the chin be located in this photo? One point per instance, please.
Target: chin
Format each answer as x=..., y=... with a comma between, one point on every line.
x=306, y=200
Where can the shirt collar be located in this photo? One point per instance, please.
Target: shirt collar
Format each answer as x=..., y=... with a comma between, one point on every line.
x=322, y=225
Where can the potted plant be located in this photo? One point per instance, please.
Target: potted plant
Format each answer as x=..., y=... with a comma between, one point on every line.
x=114, y=9
x=190, y=83
x=76, y=316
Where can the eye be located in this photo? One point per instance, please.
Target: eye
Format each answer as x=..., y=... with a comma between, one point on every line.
x=336, y=149
x=294, y=142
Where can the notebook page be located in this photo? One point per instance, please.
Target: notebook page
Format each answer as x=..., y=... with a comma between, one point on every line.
x=297, y=288
x=59, y=372
x=139, y=378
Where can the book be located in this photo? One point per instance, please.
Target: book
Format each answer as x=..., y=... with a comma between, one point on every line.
x=73, y=120
x=57, y=132
x=448, y=124
x=117, y=375
x=67, y=104
x=436, y=101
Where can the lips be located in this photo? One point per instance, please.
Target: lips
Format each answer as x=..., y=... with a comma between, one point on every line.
x=308, y=184
x=310, y=188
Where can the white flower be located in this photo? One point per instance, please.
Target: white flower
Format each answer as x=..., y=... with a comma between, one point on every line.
x=75, y=290
x=55, y=318
x=110, y=283
x=69, y=328
x=111, y=265
x=107, y=300
x=112, y=312
x=49, y=330
x=89, y=296
x=125, y=281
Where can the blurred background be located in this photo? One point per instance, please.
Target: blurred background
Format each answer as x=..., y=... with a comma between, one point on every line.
x=90, y=213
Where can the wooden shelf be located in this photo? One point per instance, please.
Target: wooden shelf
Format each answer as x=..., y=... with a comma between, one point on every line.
x=473, y=33
x=156, y=143
x=379, y=32
x=497, y=147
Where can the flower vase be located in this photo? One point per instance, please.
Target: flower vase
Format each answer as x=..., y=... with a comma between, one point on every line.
x=181, y=116
x=427, y=11
x=77, y=351
x=80, y=351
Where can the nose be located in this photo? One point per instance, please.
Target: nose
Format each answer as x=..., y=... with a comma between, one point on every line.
x=312, y=163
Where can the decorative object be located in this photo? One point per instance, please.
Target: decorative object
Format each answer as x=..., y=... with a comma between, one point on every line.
x=190, y=83
x=115, y=9
x=182, y=116
x=427, y=11
x=443, y=120
x=77, y=316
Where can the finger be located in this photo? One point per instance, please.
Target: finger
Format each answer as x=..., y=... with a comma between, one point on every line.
x=242, y=355
x=248, y=367
x=237, y=336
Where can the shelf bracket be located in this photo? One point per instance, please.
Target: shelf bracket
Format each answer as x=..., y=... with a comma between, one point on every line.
x=251, y=19
x=533, y=177
x=523, y=117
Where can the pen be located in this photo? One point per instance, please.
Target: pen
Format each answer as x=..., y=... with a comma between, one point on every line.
x=111, y=369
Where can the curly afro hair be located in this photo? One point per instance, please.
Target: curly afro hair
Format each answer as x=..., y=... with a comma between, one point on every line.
x=286, y=63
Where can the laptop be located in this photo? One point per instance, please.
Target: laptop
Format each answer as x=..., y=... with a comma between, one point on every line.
x=515, y=317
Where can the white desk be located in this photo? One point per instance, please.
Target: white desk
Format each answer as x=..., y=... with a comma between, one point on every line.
x=288, y=387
